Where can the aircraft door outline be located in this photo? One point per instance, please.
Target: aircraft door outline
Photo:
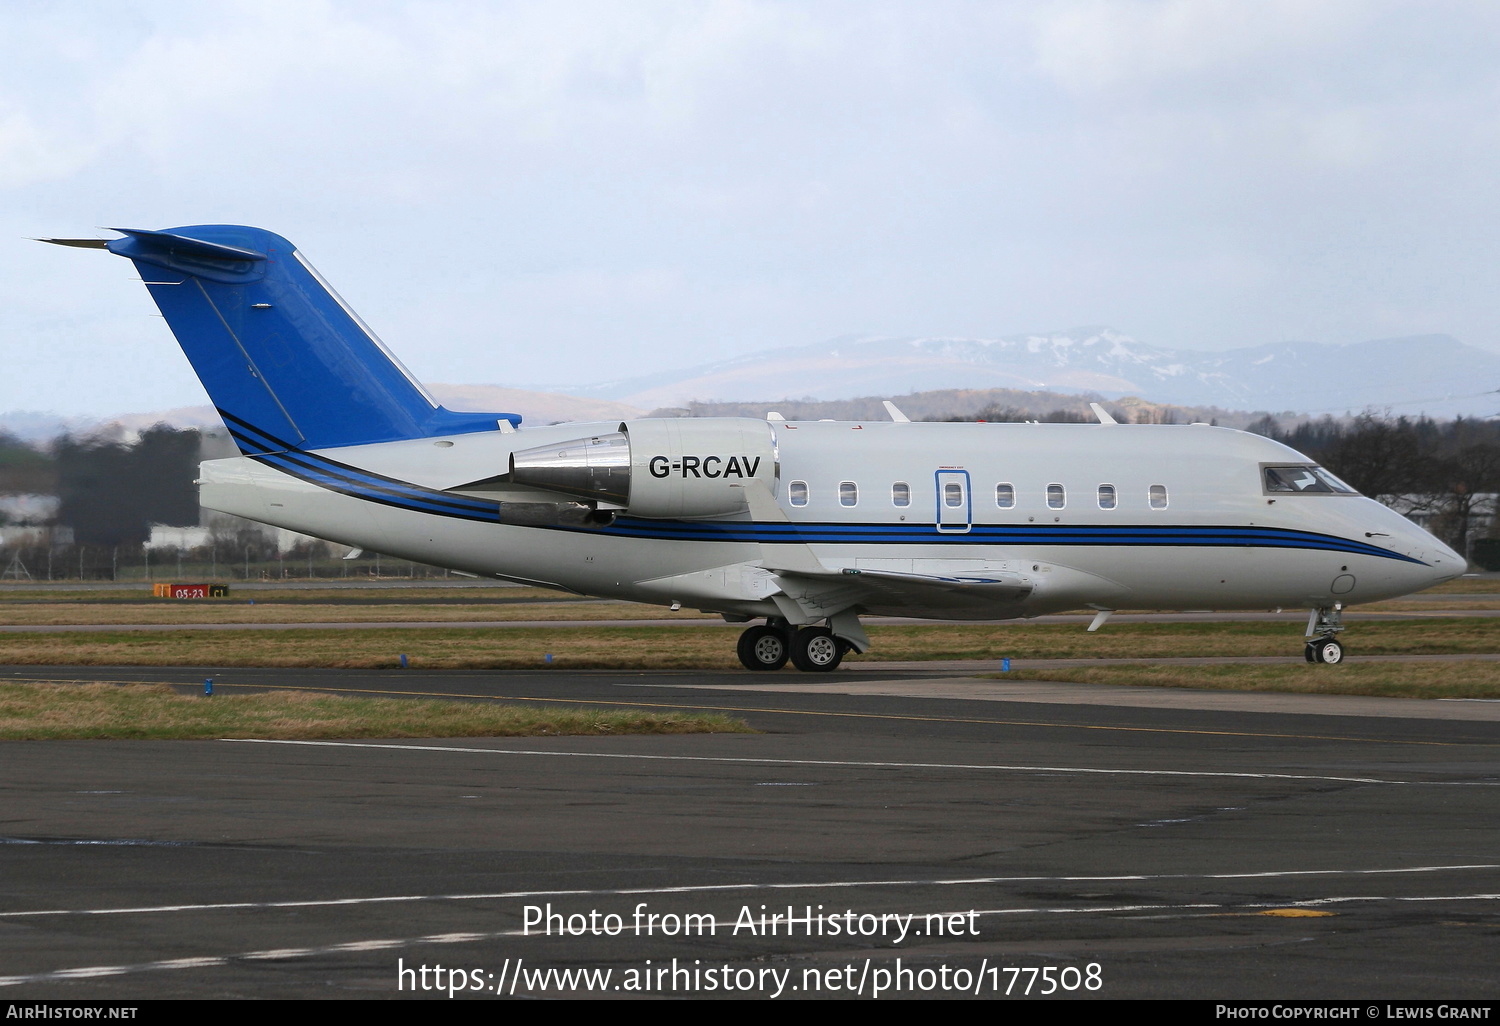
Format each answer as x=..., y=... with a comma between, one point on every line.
x=955, y=509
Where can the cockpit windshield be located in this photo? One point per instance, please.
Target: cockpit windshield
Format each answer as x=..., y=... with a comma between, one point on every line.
x=1305, y=478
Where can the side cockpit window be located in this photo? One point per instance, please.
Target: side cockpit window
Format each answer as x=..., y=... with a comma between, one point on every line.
x=1304, y=478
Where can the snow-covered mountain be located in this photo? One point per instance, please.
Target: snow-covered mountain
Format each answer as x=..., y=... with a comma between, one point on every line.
x=1435, y=374
x=1432, y=374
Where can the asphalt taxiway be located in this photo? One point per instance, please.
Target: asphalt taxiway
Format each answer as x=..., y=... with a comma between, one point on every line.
x=1153, y=843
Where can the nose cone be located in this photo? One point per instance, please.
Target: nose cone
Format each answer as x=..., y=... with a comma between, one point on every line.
x=1445, y=563
x=1438, y=562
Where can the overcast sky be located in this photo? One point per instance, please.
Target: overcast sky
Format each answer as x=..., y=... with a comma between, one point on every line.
x=519, y=193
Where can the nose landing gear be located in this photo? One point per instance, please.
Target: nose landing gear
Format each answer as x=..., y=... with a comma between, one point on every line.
x=1322, y=626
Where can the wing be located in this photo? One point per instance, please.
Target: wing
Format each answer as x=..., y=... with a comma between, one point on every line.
x=973, y=595
x=811, y=591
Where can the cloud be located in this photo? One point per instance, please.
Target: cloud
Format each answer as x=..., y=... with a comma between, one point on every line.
x=1099, y=46
x=28, y=154
x=495, y=183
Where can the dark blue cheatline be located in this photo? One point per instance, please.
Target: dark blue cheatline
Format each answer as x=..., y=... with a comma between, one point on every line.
x=340, y=477
x=362, y=484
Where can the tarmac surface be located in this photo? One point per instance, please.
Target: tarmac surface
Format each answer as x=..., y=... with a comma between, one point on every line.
x=1140, y=842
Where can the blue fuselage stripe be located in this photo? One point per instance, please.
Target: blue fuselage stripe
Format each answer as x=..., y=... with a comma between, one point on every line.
x=363, y=484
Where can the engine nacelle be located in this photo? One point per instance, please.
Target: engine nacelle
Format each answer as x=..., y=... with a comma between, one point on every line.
x=658, y=468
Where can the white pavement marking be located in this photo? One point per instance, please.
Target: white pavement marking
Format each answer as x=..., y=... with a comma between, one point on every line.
x=89, y=972
x=711, y=888
x=853, y=763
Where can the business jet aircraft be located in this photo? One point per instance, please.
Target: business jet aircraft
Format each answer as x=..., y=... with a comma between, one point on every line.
x=806, y=525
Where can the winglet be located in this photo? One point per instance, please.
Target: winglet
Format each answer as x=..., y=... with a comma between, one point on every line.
x=1102, y=414
x=793, y=557
x=896, y=415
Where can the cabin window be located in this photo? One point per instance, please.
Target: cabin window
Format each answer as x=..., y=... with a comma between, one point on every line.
x=1305, y=479
x=848, y=493
x=953, y=494
x=1057, y=498
x=797, y=493
x=900, y=494
x=1107, y=497
x=1005, y=496
x=1158, y=496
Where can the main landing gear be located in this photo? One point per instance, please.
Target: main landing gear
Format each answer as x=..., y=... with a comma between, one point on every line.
x=1322, y=626
x=811, y=649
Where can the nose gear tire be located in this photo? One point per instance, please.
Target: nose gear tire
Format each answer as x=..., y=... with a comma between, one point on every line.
x=1327, y=650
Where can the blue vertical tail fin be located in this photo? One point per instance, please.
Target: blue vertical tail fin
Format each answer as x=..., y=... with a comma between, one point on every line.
x=287, y=363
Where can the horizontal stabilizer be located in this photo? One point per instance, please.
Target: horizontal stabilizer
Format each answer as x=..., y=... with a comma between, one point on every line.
x=214, y=260
x=287, y=363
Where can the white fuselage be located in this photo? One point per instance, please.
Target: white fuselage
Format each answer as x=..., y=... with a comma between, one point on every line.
x=1191, y=526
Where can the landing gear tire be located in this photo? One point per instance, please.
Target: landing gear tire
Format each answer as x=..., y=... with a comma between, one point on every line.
x=816, y=650
x=764, y=648
x=1323, y=625
x=1327, y=650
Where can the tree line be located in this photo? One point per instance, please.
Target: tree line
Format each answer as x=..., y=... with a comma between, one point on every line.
x=110, y=492
x=1444, y=474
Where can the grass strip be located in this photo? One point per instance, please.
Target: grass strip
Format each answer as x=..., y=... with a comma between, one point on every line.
x=1466, y=585
x=1384, y=680
x=700, y=647
x=427, y=648
x=19, y=593
x=37, y=614
x=32, y=711
x=1416, y=636
x=237, y=611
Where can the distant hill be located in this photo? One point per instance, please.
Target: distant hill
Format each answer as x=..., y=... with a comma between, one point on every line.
x=1435, y=374
x=966, y=403
x=952, y=377
x=534, y=407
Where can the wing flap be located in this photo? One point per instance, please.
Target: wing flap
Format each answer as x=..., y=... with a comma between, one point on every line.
x=999, y=584
x=977, y=594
